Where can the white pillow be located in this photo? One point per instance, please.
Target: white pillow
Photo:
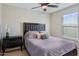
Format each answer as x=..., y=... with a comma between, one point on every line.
x=38, y=35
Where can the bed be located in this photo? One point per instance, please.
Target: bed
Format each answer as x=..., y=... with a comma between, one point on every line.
x=49, y=47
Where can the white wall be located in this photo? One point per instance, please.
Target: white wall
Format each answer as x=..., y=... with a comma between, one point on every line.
x=0, y=20
x=56, y=20
x=14, y=18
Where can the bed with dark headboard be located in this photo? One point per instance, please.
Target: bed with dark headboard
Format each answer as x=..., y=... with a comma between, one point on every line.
x=41, y=27
x=32, y=27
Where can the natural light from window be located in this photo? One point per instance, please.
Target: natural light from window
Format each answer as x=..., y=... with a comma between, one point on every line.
x=70, y=25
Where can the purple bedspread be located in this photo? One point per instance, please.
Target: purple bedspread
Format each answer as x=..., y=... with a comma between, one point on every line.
x=49, y=47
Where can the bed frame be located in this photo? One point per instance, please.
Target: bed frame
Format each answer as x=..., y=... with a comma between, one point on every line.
x=41, y=27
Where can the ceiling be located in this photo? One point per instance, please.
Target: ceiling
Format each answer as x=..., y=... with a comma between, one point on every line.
x=29, y=6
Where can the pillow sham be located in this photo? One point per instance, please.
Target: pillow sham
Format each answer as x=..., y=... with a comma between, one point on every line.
x=44, y=36
x=31, y=34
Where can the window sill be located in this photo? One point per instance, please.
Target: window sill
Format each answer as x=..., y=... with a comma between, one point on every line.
x=65, y=37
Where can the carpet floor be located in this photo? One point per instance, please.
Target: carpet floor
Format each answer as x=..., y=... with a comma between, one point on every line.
x=15, y=52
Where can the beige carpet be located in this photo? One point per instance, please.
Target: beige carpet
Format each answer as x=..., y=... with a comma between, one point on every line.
x=15, y=52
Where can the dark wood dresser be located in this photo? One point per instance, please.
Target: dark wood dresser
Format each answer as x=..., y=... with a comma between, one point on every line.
x=11, y=42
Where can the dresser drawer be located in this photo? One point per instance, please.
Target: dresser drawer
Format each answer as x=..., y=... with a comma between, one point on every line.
x=11, y=42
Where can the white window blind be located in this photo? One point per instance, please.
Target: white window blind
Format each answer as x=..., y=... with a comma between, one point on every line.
x=70, y=25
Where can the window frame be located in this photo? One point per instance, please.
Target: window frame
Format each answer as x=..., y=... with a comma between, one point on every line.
x=62, y=30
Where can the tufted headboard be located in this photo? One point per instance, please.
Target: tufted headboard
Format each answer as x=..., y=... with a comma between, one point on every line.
x=33, y=27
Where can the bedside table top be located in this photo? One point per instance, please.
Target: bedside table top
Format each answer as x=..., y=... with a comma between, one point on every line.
x=13, y=37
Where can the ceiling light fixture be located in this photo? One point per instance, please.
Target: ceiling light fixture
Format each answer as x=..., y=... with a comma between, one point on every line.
x=44, y=7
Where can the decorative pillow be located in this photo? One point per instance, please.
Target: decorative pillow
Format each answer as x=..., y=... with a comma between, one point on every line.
x=38, y=35
x=44, y=36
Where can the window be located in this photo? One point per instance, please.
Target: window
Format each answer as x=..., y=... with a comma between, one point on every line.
x=70, y=26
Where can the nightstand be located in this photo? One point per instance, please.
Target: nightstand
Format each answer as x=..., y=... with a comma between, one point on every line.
x=11, y=42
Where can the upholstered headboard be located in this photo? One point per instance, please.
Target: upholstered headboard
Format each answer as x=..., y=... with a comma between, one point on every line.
x=33, y=27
